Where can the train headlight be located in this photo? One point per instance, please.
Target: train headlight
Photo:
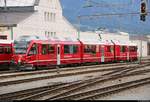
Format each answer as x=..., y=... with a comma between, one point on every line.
x=19, y=60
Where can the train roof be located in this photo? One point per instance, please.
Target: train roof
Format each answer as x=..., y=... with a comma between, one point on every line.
x=57, y=40
x=96, y=42
x=127, y=43
x=6, y=41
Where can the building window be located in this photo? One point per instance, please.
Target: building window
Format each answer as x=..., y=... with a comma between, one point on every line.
x=45, y=33
x=54, y=17
x=54, y=34
x=4, y=37
x=50, y=16
x=45, y=16
x=50, y=34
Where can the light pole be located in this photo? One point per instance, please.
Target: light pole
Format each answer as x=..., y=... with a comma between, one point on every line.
x=140, y=51
x=12, y=33
x=78, y=19
x=5, y=2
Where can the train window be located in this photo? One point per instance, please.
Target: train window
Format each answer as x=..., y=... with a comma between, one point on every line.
x=70, y=49
x=132, y=48
x=33, y=50
x=1, y=50
x=75, y=49
x=44, y=49
x=51, y=49
x=108, y=49
x=123, y=48
x=66, y=49
x=90, y=49
x=8, y=50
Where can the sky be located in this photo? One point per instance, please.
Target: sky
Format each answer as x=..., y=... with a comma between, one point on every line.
x=128, y=23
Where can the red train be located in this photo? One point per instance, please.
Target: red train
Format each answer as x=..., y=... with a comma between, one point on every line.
x=6, y=52
x=42, y=53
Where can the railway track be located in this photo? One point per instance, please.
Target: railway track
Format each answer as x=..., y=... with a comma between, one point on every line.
x=65, y=90
x=84, y=94
x=23, y=93
x=105, y=91
x=13, y=73
x=73, y=73
x=70, y=68
x=26, y=94
x=64, y=95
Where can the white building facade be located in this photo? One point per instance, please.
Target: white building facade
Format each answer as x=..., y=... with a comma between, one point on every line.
x=47, y=20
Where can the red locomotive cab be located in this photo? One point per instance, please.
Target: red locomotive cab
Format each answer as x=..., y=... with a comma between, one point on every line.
x=21, y=51
x=6, y=52
x=121, y=51
x=133, y=54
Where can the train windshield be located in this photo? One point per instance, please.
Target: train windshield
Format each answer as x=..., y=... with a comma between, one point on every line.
x=21, y=47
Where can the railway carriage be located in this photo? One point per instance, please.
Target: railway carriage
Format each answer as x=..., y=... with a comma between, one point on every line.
x=6, y=52
x=70, y=52
x=125, y=51
x=97, y=51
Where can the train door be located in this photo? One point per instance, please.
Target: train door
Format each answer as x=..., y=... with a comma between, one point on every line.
x=102, y=54
x=32, y=56
x=58, y=54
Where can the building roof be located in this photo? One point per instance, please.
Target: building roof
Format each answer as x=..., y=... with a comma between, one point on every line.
x=18, y=5
x=21, y=3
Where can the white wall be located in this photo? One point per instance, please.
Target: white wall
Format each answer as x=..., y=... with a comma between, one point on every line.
x=144, y=47
x=104, y=36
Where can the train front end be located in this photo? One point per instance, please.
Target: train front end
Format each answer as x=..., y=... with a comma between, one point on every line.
x=19, y=57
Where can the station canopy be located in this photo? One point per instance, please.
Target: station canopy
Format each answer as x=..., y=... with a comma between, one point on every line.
x=16, y=10
x=17, y=3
